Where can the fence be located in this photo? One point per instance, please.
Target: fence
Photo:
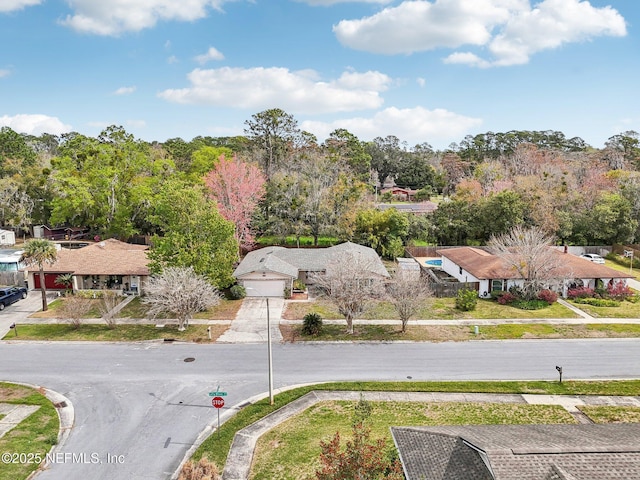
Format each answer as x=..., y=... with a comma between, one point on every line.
x=12, y=278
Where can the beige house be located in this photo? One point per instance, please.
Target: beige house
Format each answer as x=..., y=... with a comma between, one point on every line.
x=110, y=264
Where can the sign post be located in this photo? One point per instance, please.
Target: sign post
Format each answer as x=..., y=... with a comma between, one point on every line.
x=218, y=403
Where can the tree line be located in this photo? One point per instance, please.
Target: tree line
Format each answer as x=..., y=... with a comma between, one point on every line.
x=277, y=179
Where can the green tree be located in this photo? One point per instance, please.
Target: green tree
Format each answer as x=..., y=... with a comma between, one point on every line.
x=192, y=233
x=609, y=221
x=386, y=155
x=344, y=147
x=414, y=171
x=106, y=183
x=384, y=231
x=40, y=252
x=273, y=133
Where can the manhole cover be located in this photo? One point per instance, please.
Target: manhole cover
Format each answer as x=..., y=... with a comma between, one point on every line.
x=189, y=359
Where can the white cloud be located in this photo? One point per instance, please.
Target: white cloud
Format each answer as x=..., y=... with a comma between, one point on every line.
x=4, y=73
x=172, y=59
x=13, y=5
x=414, y=125
x=294, y=91
x=125, y=90
x=212, y=54
x=136, y=123
x=326, y=3
x=118, y=16
x=421, y=81
x=511, y=30
x=35, y=124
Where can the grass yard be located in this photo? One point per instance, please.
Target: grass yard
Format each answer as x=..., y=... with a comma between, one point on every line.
x=434, y=308
x=225, y=310
x=217, y=445
x=625, y=310
x=121, y=333
x=290, y=451
x=461, y=333
x=56, y=310
x=611, y=414
x=35, y=435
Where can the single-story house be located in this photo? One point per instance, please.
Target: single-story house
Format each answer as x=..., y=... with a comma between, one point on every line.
x=400, y=193
x=7, y=237
x=110, y=264
x=269, y=271
x=469, y=264
x=520, y=452
x=59, y=233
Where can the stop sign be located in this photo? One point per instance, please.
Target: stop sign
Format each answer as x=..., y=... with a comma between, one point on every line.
x=217, y=402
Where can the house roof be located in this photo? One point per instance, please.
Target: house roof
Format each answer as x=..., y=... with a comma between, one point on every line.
x=290, y=261
x=421, y=207
x=109, y=257
x=520, y=452
x=484, y=265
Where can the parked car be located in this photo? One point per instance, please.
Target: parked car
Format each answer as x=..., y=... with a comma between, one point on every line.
x=9, y=295
x=593, y=257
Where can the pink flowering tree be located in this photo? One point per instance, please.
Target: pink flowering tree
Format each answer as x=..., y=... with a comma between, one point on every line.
x=237, y=187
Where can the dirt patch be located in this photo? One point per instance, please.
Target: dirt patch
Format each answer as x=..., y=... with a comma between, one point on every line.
x=12, y=393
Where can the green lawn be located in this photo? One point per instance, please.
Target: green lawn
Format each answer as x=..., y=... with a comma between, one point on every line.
x=121, y=333
x=461, y=333
x=34, y=436
x=291, y=241
x=226, y=310
x=625, y=310
x=291, y=450
x=217, y=445
x=611, y=414
x=434, y=308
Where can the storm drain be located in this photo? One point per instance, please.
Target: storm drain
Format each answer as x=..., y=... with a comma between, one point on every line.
x=189, y=359
x=60, y=404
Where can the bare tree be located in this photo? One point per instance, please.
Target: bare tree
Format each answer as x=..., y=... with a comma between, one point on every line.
x=181, y=292
x=108, y=304
x=529, y=252
x=75, y=308
x=350, y=283
x=407, y=294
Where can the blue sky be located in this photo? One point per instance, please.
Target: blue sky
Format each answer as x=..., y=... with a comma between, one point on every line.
x=424, y=71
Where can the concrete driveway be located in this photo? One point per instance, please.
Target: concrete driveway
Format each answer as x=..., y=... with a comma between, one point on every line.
x=20, y=311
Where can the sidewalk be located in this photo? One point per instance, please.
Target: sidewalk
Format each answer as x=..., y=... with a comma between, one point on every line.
x=240, y=455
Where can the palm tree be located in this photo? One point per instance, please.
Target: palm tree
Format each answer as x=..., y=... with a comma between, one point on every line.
x=38, y=252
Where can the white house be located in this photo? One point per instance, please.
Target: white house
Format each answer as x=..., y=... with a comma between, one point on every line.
x=468, y=264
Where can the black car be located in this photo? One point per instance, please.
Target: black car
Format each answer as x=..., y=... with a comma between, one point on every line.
x=9, y=295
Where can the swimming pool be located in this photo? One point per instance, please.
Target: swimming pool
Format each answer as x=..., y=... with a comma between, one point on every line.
x=433, y=263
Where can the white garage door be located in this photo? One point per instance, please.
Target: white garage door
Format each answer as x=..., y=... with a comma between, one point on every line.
x=264, y=288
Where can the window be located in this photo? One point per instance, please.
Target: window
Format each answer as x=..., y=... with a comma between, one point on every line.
x=497, y=285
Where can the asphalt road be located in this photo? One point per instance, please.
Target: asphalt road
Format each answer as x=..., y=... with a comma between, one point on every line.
x=143, y=405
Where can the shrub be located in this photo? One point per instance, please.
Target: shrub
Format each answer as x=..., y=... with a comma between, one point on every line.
x=619, y=291
x=298, y=285
x=530, y=304
x=598, y=302
x=423, y=194
x=548, y=296
x=466, y=300
x=312, y=324
x=203, y=470
x=580, y=292
x=237, y=292
x=507, y=298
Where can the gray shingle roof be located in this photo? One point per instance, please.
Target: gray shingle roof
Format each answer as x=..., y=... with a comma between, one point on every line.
x=289, y=261
x=521, y=452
